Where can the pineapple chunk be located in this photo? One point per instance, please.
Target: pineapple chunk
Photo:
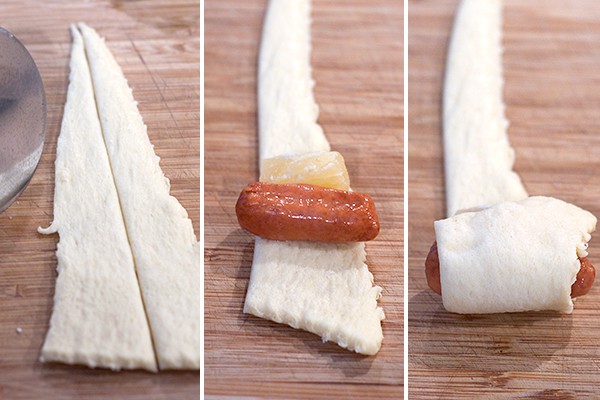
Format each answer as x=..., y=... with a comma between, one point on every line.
x=326, y=169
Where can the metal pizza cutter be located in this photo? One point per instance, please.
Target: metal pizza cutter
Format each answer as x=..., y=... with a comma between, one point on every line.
x=22, y=118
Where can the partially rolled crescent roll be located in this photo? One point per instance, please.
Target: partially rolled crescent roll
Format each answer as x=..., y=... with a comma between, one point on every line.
x=514, y=256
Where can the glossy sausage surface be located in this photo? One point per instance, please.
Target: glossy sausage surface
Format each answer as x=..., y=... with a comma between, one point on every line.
x=585, y=278
x=583, y=282
x=306, y=212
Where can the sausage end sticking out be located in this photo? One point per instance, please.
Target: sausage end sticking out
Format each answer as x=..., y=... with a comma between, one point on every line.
x=306, y=212
x=583, y=282
x=432, y=269
x=585, y=278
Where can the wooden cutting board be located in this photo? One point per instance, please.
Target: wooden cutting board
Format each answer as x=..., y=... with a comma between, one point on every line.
x=551, y=58
x=357, y=66
x=156, y=42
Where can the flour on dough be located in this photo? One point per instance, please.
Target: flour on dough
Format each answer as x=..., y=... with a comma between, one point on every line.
x=98, y=318
x=478, y=157
x=323, y=288
x=165, y=249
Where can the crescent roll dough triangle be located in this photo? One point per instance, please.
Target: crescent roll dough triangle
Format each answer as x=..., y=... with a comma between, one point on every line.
x=323, y=288
x=98, y=317
x=165, y=249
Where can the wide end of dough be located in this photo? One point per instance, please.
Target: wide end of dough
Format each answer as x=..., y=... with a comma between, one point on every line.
x=323, y=288
x=96, y=360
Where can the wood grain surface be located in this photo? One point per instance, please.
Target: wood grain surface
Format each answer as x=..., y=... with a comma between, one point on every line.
x=357, y=66
x=156, y=42
x=551, y=58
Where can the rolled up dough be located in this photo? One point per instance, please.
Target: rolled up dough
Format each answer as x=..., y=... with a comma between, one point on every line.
x=514, y=256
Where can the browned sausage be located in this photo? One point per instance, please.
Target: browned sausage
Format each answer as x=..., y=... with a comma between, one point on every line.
x=306, y=212
x=583, y=282
x=585, y=278
x=432, y=269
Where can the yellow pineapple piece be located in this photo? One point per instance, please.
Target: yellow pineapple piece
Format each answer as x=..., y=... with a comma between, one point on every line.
x=325, y=169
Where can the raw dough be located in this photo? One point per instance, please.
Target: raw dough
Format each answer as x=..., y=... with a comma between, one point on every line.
x=98, y=317
x=323, y=288
x=165, y=249
x=477, y=155
x=287, y=111
x=514, y=256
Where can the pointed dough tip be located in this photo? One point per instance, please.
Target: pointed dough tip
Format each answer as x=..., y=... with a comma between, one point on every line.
x=74, y=32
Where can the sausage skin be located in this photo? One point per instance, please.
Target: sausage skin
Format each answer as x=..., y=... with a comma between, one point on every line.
x=306, y=212
x=432, y=269
x=585, y=278
x=583, y=282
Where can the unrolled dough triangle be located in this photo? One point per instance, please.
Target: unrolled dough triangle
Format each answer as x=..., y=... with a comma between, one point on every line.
x=165, y=249
x=98, y=317
x=123, y=238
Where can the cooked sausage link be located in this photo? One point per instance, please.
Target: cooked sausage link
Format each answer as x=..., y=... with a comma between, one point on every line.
x=432, y=269
x=583, y=282
x=585, y=278
x=306, y=212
